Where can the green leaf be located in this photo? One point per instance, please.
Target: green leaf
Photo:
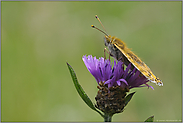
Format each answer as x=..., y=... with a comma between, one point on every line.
x=128, y=98
x=80, y=90
x=150, y=119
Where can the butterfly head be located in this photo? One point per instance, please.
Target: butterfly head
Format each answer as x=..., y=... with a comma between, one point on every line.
x=107, y=40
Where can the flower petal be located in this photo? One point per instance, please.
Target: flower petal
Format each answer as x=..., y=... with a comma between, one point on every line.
x=103, y=71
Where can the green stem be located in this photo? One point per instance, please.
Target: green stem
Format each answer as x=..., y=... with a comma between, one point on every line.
x=107, y=118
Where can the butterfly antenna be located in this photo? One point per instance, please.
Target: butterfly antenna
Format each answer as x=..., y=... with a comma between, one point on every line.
x=100, y=22
x=99, y=30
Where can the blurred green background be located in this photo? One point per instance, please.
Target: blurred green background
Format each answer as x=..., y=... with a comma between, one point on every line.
x=38, y=38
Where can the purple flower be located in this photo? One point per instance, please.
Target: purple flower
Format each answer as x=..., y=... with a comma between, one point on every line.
x=114, y=75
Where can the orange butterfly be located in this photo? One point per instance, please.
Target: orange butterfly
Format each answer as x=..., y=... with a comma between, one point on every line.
x=119, y=51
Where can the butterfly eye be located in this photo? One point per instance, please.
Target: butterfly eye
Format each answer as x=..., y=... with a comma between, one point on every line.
x=106, y=41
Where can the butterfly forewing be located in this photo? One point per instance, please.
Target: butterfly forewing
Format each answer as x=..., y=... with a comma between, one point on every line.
x=135, y=60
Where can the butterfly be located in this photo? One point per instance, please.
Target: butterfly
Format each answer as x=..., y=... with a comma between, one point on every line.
x=119, y=50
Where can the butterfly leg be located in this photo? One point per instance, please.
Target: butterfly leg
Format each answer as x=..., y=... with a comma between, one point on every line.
x=122, y=59
x=105, y=50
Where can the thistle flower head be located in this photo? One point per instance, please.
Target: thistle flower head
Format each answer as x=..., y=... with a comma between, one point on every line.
x=114, y=81
x=114, y=75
